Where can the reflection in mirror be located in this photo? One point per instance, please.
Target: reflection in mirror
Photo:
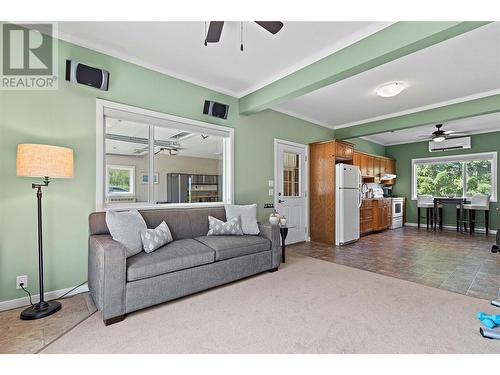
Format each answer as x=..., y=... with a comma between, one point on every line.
x=126, y=161
x=188, y=166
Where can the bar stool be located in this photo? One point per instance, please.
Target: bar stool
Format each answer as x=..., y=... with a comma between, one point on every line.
x=478, y=202
x=427, y=202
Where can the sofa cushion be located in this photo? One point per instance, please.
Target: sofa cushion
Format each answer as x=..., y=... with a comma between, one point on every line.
x=226, y=247
x=217, y=227
x=175, y=256
x=125, y=227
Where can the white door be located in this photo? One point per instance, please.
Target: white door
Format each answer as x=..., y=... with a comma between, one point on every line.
x=290, y=188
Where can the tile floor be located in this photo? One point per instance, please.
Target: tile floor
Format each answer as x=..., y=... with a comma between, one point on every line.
x=460, y=263
x=30, y=336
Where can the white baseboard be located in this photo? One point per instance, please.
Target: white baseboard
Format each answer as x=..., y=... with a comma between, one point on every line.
x=24, y=301
x=451, y=227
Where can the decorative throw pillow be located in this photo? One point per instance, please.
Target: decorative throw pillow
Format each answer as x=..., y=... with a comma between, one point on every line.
x=125, y=227
x=217, y=227
x=153, y=239
x=248, y=215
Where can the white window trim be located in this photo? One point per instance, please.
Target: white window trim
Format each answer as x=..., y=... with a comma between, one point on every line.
x=228, y=163
x=130, y=168
x=465, y=157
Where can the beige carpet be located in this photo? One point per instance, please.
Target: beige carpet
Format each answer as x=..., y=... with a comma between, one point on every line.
x=308, y=306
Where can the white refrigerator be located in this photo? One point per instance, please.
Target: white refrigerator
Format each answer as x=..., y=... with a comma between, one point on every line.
x=347, y=203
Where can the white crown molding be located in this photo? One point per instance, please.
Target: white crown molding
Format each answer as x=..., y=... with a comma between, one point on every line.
x=302, y=117
x=369, y=139
x=331, y=49
x=54, y=294
x=355, y=37
x=420, y=109
x=137, y=61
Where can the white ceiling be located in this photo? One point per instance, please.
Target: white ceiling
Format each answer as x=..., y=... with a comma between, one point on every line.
x=472, y=125
x=176, y=48
x=192, y=145
x=466, y=65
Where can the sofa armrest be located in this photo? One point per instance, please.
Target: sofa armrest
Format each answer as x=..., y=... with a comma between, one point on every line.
x=107, y=275
x=272, y=233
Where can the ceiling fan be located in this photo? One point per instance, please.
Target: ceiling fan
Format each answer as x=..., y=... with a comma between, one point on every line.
x=439, y=135
x=215, y=30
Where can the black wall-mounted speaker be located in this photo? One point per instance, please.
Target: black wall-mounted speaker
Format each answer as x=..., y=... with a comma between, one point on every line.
x=87, y=75
x=216, y=109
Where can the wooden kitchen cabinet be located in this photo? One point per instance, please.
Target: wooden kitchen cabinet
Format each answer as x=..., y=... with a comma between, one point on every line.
x=366, y=217
x=373, y=167
x=381, y=214
x=366, y=165
x=356, y=159
x=391, y=166
x=343, y=151
x=375, y=215
x=376, y=169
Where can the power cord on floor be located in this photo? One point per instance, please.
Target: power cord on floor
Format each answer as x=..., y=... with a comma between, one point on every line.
x=64, y=295
x=69, y=291
x=29, y=294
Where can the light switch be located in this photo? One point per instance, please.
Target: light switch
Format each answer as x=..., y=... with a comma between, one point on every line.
x=271, y=192
x=270, y=183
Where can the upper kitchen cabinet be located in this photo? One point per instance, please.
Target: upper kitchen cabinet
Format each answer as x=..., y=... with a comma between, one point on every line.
x=373, y=167
x=343, y=151
x=376, y=169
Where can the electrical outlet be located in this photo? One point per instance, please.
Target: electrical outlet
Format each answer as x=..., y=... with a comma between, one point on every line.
x=270, y=183
x=21, y=280
x=271, y=192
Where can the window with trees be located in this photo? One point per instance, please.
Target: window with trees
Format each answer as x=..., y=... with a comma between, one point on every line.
x=455, y=176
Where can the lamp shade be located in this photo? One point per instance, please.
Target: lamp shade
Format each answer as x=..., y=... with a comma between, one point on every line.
x=44, y=161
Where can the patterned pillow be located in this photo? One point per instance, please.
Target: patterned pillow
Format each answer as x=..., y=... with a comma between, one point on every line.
x=153, y=239
x=217, y=227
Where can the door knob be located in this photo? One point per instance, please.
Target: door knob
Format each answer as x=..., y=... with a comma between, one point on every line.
x=281, y=201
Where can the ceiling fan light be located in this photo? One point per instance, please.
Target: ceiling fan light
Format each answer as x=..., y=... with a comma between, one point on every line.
x=391, y=89
x=439, y=138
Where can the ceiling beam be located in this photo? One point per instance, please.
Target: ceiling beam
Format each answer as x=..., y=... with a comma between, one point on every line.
x=469, y=108
x=393, y=42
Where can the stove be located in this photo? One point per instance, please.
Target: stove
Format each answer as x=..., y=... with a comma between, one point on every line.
x=397, y=212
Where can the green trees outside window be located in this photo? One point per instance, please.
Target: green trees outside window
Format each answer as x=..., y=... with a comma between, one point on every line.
x=457, y=178
x=119, y=180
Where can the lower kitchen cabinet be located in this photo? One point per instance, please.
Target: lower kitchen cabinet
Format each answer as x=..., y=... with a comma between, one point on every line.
x=365, y=217
x=374, y=215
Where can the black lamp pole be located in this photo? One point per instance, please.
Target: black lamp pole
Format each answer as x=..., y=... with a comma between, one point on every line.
x=42, y=308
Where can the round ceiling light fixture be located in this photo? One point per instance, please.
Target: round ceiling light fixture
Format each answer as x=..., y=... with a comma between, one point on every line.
x=388, y=90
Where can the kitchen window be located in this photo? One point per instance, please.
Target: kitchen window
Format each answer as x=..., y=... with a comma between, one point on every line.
x=148, y=159
x=457, y=176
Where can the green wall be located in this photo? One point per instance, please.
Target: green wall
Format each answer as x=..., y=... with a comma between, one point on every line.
x=404, y=153
x=66, y=117
x=363, y=145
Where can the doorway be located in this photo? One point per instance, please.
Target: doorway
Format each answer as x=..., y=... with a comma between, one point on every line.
x=290, y=193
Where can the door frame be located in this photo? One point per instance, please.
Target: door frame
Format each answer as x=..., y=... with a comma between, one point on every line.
x=305, y=147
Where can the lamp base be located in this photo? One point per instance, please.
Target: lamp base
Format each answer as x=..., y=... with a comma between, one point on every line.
x=40, y=310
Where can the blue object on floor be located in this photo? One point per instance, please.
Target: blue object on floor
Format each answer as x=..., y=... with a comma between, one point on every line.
x=489, y=321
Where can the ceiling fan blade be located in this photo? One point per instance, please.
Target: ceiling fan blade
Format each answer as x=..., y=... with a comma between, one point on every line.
x=214, y=31
x=449, y=131
x=272, y=26
x=458, y=135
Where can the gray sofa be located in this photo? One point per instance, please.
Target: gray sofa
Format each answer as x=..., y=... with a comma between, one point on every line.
x=191, y=263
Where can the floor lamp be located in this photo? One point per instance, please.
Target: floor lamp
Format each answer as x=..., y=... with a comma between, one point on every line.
x=46, y=162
